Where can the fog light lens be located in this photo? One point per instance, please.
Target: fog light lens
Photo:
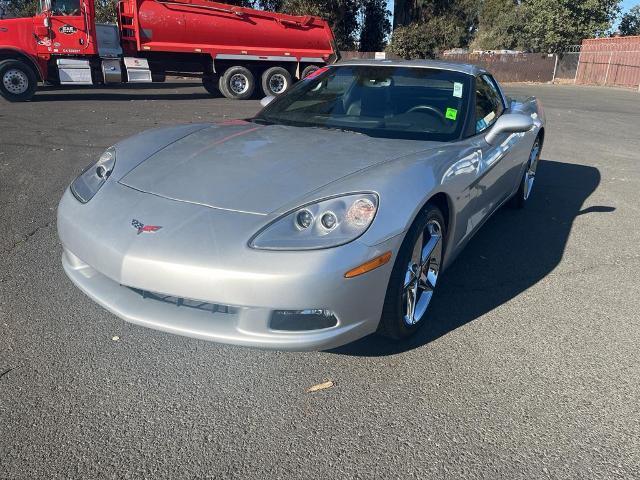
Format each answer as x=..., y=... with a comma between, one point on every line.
x=304, y=219
x=329, y=220
x=299, y=320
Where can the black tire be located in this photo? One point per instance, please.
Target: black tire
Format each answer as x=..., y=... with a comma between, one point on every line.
x=18, y=81
x=519, y=200
x=308, y=70
x=221, y=88
x=276, y=81
x=238, y=83
x=392, y=322
x=211, y=85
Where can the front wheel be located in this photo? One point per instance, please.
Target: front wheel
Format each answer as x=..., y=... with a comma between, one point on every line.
x=526, y=183
x=18, y=81
x=414, y=276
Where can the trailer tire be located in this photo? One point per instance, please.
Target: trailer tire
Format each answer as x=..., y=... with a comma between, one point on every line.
x=308, y=71
x=275, y=81
x=238, y=83
x=18, y=81
x=211, y=85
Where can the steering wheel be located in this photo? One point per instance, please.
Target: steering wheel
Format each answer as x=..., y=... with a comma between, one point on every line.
x=428, y=109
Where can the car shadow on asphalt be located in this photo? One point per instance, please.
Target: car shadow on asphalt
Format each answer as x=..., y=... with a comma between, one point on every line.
x=513, y=251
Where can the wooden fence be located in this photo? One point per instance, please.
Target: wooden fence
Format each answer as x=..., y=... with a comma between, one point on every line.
x=610, y=61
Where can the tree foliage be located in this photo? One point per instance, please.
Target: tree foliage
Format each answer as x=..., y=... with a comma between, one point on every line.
x=18, y=8
x=106, y=11
x=375, y=25
x=630, y=23
x=553, y=25
x=499, y=26
x=342, y=16
x=427, y=39
x=423, y=28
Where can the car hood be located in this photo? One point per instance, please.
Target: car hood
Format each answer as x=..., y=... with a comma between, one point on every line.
x=246, y=167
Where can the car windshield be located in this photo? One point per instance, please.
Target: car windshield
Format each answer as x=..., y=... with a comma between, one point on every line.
x=380, y=101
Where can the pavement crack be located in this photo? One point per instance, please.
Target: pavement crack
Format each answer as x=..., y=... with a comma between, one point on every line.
x=7, y=371
x=25, y=238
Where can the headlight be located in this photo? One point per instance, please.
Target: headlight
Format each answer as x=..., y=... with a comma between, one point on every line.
x=324, y=224
x=93, y=177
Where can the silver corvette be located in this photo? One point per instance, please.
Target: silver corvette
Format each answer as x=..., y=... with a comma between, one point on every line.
x=327, y=217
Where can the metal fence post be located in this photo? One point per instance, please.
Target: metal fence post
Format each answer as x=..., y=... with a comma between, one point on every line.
x=555, y=69
x=606, y=77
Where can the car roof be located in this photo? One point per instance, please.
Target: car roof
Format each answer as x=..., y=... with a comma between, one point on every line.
x=467, y=68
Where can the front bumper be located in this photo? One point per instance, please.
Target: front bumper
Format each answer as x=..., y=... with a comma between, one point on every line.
x=247, y=284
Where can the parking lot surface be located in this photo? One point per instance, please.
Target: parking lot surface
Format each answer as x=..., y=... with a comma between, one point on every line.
x=529, y=368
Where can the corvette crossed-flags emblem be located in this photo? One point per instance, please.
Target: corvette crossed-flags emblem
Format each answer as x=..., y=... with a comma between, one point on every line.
x=142, y=228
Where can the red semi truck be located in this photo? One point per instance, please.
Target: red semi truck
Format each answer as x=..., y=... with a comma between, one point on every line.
x=234, y=50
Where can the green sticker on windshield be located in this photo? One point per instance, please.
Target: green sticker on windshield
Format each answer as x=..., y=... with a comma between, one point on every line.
x=451, y=114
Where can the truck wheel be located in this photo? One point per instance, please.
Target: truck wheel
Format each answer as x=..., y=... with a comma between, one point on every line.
x=238, y=83
x=210, y=84
x=18, y=81
x=275, y=81
x=309, y=70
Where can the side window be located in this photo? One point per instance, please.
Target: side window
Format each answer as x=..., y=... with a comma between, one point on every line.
x=489, y=104
x=66, y=7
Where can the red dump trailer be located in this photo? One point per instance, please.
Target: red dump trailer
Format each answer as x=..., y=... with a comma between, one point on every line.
x=236, y=51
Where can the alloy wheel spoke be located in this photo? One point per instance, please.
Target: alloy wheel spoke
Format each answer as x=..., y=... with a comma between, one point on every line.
x=429, y=249
x=412, y=294
x=422, y=273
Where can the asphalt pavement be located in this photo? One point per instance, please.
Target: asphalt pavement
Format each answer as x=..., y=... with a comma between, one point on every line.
x=530, y=367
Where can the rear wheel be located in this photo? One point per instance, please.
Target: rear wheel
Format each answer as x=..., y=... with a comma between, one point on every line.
x=526, y=183
x=18, y=81
x=238, y=83
x=309, y=70
x=275, y=81
x=210, y=84
x=414, y=276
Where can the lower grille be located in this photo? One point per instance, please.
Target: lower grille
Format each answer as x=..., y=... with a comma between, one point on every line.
x=185, y=302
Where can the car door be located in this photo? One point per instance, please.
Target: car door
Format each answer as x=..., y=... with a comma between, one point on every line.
x=495, y=169
x=70, y=28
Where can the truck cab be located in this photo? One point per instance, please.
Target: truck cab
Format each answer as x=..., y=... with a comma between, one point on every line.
x=236, y=51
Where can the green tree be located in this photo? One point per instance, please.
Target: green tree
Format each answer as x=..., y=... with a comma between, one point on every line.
x=499, y=26
x=443, y=16
x=553, y=25
x=630, y=23
x=427, y=39
x=375, y=25
x=342, y=16
x=18, y=8
x=106, y=11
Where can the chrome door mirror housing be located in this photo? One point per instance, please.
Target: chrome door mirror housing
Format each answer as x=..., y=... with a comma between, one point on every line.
x=509, y=123
x=267, y=100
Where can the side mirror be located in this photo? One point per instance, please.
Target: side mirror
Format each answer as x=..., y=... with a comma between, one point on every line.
x=509, y=123
x=267, y=100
